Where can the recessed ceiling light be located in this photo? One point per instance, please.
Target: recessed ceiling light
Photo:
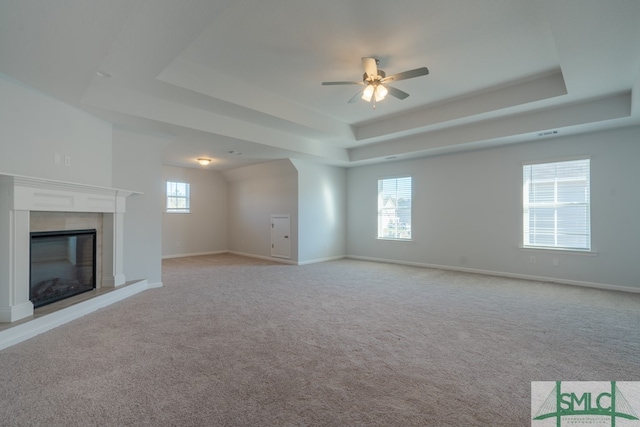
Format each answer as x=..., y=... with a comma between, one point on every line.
x=103, y=74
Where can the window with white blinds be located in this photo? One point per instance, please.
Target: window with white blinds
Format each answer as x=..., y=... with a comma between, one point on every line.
x=178, y=197
x=557, y=212
x=394, y=208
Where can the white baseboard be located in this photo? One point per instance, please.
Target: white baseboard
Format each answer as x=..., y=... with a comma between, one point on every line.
x=288, y=261
x=317, y=260
x=268, y=258
x=16, y=312
x=31, y=328
x=603, y=286
x=194, y=254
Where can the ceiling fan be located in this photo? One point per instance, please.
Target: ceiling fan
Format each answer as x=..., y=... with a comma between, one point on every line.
x=375, y=82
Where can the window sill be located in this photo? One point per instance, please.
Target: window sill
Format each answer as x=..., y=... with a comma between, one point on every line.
x=559, y=250
x=176, y=213
x=391, y=239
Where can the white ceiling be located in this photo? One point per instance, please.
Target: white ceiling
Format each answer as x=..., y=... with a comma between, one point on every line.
x=221, y=77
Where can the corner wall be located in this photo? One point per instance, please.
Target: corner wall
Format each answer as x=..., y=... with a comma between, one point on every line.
x=467, y=211
x=137, y=160
x=255, y=193
x=204, y=230
x=322, y=206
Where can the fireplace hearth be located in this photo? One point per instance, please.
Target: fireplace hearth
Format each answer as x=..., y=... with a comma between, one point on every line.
x=62, y=265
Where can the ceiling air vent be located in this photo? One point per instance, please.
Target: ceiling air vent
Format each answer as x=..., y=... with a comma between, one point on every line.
x=548, y=133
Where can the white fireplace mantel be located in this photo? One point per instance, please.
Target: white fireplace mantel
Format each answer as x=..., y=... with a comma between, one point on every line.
x=19, y=196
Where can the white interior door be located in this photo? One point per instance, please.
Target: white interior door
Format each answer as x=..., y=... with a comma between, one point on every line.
x=280, y=241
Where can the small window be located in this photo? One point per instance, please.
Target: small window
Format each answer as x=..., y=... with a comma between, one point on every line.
x=556, y=205
x=178, y=197
x=394, y=208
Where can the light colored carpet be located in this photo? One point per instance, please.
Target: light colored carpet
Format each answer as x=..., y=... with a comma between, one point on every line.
x=233, y=341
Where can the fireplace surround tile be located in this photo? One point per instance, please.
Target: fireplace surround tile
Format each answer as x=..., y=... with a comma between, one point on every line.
x=57, y=221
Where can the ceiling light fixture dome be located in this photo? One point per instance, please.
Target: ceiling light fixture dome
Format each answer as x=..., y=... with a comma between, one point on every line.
x=203, y=161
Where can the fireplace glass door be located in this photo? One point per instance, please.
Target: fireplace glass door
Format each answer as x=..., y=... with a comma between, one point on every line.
x=63, y=264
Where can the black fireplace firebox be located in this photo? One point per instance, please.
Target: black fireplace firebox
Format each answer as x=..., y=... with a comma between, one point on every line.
x=63, y=264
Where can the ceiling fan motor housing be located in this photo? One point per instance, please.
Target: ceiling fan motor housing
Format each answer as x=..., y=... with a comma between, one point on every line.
x=381, y=75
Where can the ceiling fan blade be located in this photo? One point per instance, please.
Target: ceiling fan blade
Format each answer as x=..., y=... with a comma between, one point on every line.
x=341, y=83
x=396, y=92
x=406, y=75
x=370, y=67
x=355, y=98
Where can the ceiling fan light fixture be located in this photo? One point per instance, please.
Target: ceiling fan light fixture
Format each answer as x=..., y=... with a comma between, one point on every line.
x=374, y=80
x=367, y=94
x=381, y=92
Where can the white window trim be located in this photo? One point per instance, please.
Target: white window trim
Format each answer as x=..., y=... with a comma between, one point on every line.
x=396, y=239
x=550, y=249
x=556, y=160
x=186, y=211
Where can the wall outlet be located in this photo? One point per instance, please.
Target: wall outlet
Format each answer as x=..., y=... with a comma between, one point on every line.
x=67, y=160
x=532, y=259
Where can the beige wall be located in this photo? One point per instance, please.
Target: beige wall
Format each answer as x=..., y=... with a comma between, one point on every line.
x=255, y=193
x=34, y=128
x=204, y=230
x=137, y=160
x=322, y=208
x=467, y=211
